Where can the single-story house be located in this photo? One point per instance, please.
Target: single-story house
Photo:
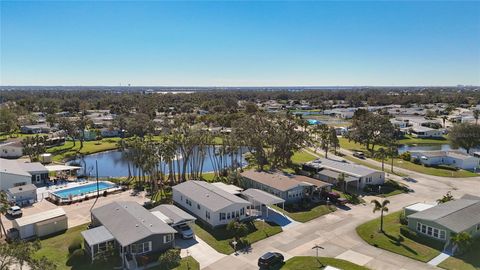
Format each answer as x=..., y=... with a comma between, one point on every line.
x=425, y=132
x=41, y=224
x=128, y=227
x=290, y=188
x=416, y=207
x=208, y=203
x=355, y=176
x=35, y=129
x=172, y=215
x=444, y=220
x=260, y=200
x=232, y=189
x=12, y=149
x=18, y=173
x=22, y=195
x=453, y=158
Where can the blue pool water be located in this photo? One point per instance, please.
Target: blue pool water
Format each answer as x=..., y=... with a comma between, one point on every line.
x=75, y=191
x=314, y=122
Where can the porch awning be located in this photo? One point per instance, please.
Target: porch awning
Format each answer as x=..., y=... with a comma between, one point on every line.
x=262, y=196
x=59, y=168
x=97, y=235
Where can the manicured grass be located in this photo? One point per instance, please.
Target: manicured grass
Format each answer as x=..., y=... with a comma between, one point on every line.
x=301, y=214
x=392, y=240
x=378, y=168
x=307, y=262
x=56, y=248
x=468, y=261
x=302, y=156
x=390, y=188
x=188, y=263
x=412, y=140
x=209, y=176
x=219, y=238
x=436, y=171
x=67, y=150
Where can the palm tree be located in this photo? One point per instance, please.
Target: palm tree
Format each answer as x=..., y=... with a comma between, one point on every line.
x=446, y=198
x=461, y=240
x=3, y=211
x=381, y=154
x=382, y=207
x=392, y=152
x=444, y=119
x=237, y=228
x=476, y=115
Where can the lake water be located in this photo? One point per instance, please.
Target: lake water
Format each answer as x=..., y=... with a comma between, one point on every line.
x=113, y=164
x=425, y=147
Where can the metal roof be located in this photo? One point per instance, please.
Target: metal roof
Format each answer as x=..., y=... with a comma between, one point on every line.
x=12, y=167
x=175, y=214
x=262, y=196
x=208, y=195
x=419, y=207
x=458, y=215
x=276, y=180
x=232, y=189
x=97, y=235
x=58, y=168
x=19, y=189
x=42, y=216
x=339, y=166
x=129, y=222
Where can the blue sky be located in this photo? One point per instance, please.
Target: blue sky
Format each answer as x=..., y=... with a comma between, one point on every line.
x=240, y=43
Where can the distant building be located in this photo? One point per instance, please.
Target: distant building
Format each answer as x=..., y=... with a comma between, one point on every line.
x=455, y=159
x=35, y=129
x=425, y=132
x=12, y=149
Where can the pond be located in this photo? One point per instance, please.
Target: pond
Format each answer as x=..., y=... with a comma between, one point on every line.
x=425, y=147
x=113, y=163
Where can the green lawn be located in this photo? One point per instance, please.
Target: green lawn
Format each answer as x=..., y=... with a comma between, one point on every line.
x=392, y=240
x=390, y=188
x=220, y=238
x=412, y=140
x=302, y=156
x=310, y=263
x=67, y=150
x=56, y=248
x=187, y=263
x=436, y=171
x=468, y=261
x=378, y=168
x=300, y=214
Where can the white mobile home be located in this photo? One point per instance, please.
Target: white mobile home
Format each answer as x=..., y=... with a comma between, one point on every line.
x=13, y=149
x=456, y=159
x=209, y=203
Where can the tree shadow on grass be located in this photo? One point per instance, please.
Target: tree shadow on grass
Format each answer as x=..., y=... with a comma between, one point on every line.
x=398, y=242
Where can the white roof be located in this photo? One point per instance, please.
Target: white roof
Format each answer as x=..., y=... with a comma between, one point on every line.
x=331, y=268
x=418, y=207
x=232, y=189
x=338, y=166
x=42, y=216
x=162, y=217
x=58, y=168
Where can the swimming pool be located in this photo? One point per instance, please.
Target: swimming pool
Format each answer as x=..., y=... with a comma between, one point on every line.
x=82, y=190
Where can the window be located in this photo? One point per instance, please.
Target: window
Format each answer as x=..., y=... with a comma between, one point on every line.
x=430, y=231
x=167, y=238
x=222, y=216
x=424, y=229
x=188, y=201
x=228, y=215
x=181, y=198
x=37, y=178
x=242, y=212
x=198, y=206
x=207, y=214
x=141, y=248
x=442, y=234
x=478, y=227
x=419, y=225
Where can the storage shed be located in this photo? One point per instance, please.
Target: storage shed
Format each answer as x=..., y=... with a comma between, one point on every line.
x=22, y=195
x=41, y=224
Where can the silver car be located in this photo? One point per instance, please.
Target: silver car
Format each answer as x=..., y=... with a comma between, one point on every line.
x=185, y=231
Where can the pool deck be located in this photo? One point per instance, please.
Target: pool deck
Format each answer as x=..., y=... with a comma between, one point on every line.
x=79, y=213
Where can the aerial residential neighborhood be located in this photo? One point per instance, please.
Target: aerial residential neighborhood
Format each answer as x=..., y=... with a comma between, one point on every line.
x=238, y=135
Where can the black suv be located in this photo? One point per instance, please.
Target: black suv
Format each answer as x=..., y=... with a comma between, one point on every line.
x=269, y=260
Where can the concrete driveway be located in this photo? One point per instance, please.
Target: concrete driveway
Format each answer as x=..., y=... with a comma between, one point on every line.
x=198, y=249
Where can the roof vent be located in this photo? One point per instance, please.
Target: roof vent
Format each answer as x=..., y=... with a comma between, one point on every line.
x=136, y=225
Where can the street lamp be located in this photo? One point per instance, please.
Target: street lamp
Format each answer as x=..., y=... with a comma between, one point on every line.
x=317, y=247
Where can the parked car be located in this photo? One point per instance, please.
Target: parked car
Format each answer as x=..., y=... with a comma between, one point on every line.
x=185, y=231
x=359, y=155
x=270, y=259
x=14, y=211
x=335, y=197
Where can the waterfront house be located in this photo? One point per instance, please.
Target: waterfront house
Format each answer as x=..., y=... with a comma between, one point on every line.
x=11, y=149
x=208, y=203
x=18, y=173
x=452, y=158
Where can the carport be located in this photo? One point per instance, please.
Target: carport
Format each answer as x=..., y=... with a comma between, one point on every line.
x=259, y=198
